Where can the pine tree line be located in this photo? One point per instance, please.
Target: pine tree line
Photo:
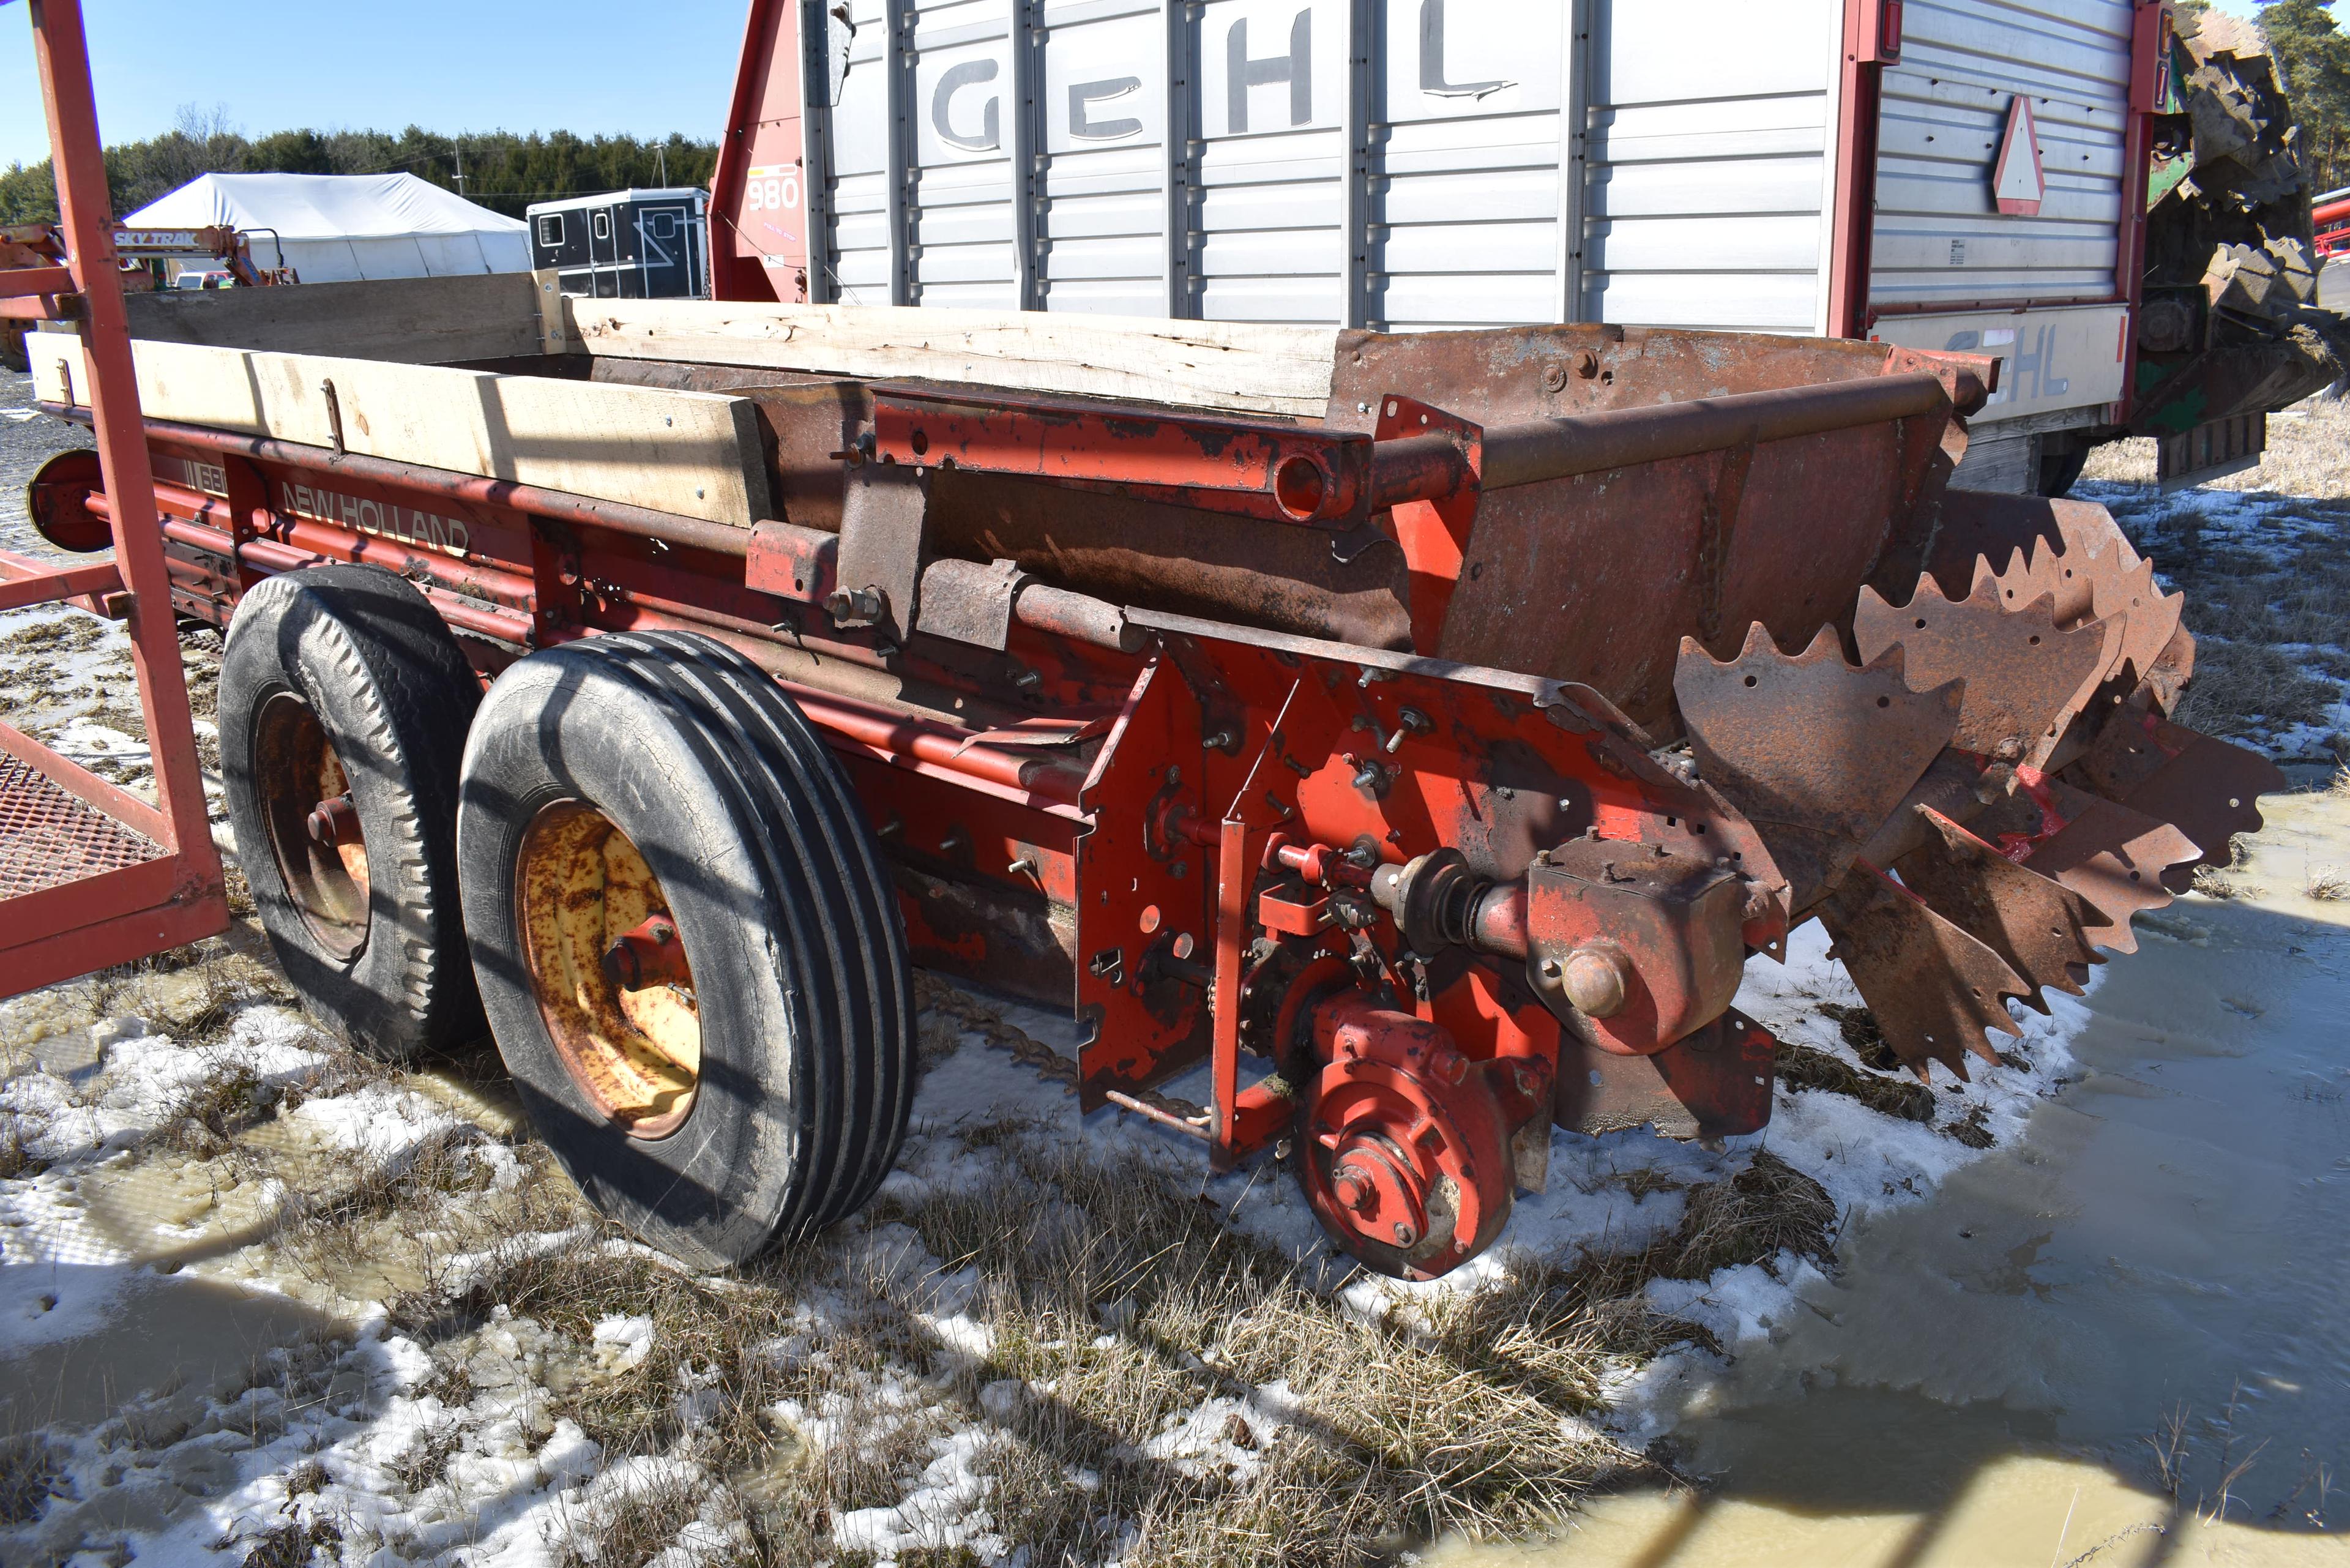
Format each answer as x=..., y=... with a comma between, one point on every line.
x=502, y=171
x=2316, y=55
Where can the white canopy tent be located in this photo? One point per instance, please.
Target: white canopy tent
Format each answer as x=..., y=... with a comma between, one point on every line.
x=344, y=228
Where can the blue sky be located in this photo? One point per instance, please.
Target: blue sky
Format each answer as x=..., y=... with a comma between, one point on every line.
x=646, y=67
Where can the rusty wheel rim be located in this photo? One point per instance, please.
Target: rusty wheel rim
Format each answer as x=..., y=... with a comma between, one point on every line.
x=314, y=830
x=581, y=888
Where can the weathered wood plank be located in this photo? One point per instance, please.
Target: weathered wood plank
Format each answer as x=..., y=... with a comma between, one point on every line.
x=1236, y=365
x=696, y=455
x=419, y=320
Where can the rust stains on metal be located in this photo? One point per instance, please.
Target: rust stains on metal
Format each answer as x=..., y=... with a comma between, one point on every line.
x=1815, y=752
x=626, y=1028
x=1934, y=989
x=2023, y=677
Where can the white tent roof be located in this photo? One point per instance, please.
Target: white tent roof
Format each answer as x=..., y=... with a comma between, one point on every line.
x=337, y=227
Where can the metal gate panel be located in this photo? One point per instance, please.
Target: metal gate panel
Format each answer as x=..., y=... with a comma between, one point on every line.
x=1269, y=104
x=1104, y=174
x=1939, y=236
x=963, y=121
x=857, y=254
x=1707, y=163
x=1464, y=198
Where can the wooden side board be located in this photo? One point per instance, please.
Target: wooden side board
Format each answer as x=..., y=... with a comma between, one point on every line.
x=695, y=455
x=1235, y=367
x=1239, y=367
x=419, y=320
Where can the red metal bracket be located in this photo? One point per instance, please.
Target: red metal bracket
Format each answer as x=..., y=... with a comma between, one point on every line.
x=1285, y=473
x=17, y=282
x=1434, y=530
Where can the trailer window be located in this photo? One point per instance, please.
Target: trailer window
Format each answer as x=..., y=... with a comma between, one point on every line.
x=603, y=225
x=550, y=230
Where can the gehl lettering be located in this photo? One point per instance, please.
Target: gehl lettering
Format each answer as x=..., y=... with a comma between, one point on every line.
x=384, y=519
x=1293, y=68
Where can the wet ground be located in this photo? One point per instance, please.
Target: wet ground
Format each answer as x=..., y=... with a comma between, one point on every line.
x=2138, y=1315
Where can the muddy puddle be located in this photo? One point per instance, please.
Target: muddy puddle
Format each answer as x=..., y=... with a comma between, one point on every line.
x=2126, y=1335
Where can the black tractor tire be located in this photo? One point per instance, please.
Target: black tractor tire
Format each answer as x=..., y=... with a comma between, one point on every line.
x=355, y=658
x=694, y=761
x=2060, y=470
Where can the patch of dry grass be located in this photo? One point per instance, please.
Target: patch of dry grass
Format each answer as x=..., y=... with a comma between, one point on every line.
x=636, y=1525
x=1115, y=1303
x=1973, y=1129
x=31, y=1472
x=64, y=634
x=1861, y=1031
x=2328, y=884
x=14, y=1161
x=1801, y=1067
x=1766, y=1208
x=293, y=1543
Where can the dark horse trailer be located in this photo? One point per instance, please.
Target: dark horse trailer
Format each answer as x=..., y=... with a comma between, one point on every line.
x=625, y=244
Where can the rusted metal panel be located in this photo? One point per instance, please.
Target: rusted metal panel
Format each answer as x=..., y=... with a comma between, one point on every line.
x=1714, y=1084
x=1701, y=547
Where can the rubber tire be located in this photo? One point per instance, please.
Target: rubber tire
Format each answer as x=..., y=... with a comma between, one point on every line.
x=783, y=902
x=377, y=666
x=2060, y=470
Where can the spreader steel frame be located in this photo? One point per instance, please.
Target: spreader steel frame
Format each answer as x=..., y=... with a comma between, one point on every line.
x=1430, y=770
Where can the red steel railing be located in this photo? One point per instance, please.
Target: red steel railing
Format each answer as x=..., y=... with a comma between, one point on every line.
x=91, y=875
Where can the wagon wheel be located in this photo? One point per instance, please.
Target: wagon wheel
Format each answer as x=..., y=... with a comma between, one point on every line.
x=343, y=704
x=688, y=947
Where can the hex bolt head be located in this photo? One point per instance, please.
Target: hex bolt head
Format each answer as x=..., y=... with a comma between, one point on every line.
x=1597, y=981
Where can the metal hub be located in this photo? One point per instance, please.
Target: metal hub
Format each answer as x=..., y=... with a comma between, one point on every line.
x=313, y=829
x=1404, y=1145
x=608, y=968
x=1380, y=1190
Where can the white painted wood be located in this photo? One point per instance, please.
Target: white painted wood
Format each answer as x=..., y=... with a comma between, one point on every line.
x=695, y=455
x=1235, y=367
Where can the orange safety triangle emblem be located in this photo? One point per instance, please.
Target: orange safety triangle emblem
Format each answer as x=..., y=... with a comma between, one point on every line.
x=2017, y=181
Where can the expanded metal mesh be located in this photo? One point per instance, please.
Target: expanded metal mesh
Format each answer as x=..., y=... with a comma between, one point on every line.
x=48, y=838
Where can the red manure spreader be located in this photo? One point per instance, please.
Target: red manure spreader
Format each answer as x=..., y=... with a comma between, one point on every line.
x=1422, y=730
